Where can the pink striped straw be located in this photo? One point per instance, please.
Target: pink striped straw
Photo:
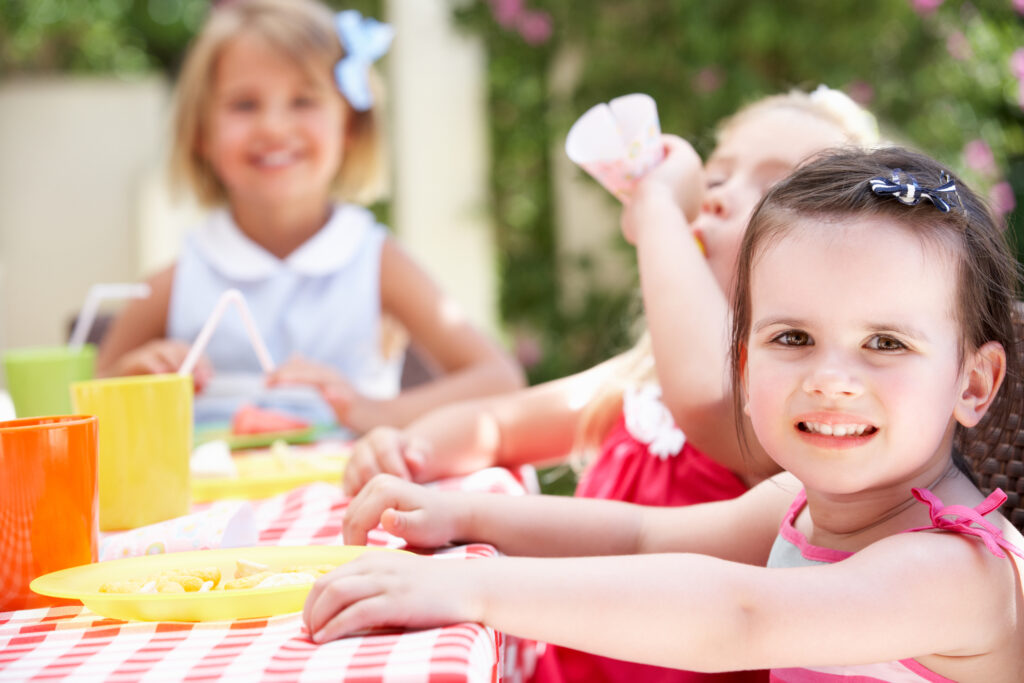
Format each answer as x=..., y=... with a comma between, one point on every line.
x=199, y=345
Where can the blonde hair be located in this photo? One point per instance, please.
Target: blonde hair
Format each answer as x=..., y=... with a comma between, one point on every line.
x=635, y=367
x=303, y=31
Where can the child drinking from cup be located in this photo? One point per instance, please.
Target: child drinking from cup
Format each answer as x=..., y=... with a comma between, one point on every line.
x=614, y=407
x=278, y=124
x=871, y=326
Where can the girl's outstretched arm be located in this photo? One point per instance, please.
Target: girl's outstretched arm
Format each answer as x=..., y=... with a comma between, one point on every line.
x=533, y=425
x=687, y=315
x=473, y=364
x=941, y=598
x=557, y=526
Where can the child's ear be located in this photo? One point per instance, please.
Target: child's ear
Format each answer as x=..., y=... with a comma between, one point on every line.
x=743, y=380
x=982, y=376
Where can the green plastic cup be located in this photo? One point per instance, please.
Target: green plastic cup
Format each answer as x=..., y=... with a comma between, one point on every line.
x=39, y=378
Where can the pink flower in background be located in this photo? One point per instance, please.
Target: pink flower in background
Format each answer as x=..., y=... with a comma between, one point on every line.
x=506, y=12
x=708, y=80
x=1020, y=94
x=527, y=348
x=925, y=6
x=978, y=157
x=534, y=27
x=860, y=92
x=1019, y=6
x=1017, y=61
x=1001, y=198
x=957, y=46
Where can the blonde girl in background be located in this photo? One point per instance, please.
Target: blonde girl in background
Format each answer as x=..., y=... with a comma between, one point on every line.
x=611, y=416
x=872, y=325
x=278, y=129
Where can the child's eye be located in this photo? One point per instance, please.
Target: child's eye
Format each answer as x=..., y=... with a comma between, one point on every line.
x=305, y=101
x=882, y=342
x=715, y=182
x=793, y=338
x=242, y=105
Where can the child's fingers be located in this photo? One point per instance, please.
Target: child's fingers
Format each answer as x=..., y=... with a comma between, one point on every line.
x=413, y=526
x=366, y=508
x=357, y=616
x=333, y=593
x=361, y=468
x=391, y=459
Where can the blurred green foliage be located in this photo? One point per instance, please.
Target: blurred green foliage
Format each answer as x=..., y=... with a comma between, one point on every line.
x=123, y=37
x=936, y=79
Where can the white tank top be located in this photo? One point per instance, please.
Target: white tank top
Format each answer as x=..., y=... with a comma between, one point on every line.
x=322, y=301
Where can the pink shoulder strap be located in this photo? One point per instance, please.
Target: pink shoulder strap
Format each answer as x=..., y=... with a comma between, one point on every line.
x=965, y=520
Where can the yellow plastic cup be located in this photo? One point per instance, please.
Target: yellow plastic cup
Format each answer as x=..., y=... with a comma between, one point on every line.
x=39, y=377
x=145, y=440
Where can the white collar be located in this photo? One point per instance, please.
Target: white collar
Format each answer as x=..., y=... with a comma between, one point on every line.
x=237, y=257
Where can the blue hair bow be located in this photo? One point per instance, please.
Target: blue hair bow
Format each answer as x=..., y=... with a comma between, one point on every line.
x=365, y=41
x=906, y=189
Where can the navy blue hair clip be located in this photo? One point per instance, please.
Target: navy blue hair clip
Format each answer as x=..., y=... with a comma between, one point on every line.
x=906, y=189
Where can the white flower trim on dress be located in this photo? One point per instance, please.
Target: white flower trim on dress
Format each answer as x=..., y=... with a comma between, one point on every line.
x=237, y=257
x=650, y=422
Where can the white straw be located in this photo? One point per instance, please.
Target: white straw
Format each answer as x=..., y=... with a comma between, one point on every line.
x=97, y=294
x=228, y=297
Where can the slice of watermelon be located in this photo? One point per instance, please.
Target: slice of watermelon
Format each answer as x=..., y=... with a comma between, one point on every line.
x=250, y=419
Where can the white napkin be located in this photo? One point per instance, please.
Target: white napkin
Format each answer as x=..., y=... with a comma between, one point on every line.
x=226, y=524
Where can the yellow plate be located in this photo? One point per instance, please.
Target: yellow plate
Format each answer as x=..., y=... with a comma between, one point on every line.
x=83, y=583
x=262, y=475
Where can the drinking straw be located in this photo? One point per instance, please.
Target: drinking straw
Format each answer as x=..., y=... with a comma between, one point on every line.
x=97, y=294
x=228, y=297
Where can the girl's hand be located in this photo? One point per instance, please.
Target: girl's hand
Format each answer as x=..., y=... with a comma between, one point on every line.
x=423, y=517
x=384, y=450
x=351, y=408
x=162, y=356
x=679, y=178
x=382, y=589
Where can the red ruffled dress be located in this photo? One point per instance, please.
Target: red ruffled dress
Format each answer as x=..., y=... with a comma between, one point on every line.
x=645, y=459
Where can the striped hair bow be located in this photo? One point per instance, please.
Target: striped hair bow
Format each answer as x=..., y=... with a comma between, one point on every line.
x=905, y=188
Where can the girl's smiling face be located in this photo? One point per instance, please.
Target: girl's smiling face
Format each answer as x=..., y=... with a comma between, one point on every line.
x=273, y=132
x=853, y=366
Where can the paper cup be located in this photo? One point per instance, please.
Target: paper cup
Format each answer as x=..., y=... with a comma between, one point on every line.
x=617, y=143
x=48, y=502
x=38, y=378
x=145, y=440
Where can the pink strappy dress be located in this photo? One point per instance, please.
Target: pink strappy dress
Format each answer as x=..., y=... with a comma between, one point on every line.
x=645, y=459
x=791, y=549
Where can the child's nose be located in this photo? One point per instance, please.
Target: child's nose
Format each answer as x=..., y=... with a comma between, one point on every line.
x=714, y=204
x=273, y=120
x=831, y=380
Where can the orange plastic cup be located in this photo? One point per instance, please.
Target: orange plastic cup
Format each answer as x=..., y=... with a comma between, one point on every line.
x=49, y=502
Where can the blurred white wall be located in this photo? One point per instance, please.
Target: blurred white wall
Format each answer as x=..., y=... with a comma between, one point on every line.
x=72, y=155
x=437, y=77
x=83, y=197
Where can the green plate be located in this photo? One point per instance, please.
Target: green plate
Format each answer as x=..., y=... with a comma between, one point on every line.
x=238, y=442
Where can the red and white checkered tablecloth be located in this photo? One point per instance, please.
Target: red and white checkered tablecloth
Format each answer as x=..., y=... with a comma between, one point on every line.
x=74, y=644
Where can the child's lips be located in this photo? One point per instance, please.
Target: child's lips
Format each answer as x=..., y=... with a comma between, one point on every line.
x=835, y=431
x=273, y=160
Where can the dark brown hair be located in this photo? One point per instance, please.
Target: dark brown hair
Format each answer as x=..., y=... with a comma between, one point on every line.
x=836, y=186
